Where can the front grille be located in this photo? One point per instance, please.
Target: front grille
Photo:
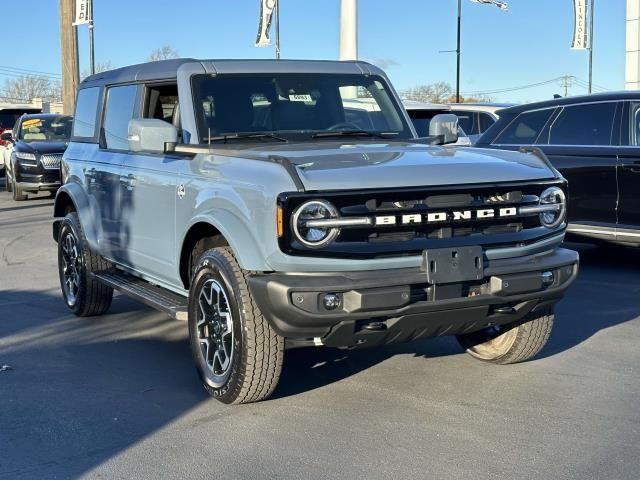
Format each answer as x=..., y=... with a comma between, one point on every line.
x=51, y=161
x=398, y=238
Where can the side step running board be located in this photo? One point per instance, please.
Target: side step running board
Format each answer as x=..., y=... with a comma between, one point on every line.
x=138, y=289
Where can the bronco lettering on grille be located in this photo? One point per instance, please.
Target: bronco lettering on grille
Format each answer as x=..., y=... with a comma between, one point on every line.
x=453, y=216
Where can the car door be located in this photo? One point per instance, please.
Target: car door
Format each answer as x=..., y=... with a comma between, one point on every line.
x=579, y=141
x=629, y=174
x=104, y=174
x=149, y=190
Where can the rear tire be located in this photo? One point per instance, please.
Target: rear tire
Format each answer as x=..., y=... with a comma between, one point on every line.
x=18, y=194
x=237, y=354
x=83, y=294
x=510, y=343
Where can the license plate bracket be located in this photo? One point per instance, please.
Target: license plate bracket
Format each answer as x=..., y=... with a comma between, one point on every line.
x=453, y=265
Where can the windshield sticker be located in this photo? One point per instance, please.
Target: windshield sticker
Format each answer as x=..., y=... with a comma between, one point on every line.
x=34, y=122
x=300, y=98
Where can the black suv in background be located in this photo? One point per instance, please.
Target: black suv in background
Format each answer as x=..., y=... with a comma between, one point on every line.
x=39, y=142
x=594, y=141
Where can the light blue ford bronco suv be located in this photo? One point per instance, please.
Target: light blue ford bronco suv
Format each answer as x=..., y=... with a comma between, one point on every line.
x=283, y=204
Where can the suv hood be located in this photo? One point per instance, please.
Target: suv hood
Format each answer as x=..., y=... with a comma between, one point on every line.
x=345, y=166
x=41, y=146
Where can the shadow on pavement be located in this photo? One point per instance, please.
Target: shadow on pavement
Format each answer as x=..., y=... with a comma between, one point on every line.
x=81, y=390
x=606, y=293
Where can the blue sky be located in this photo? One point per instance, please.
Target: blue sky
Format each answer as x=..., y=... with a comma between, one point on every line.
x=529, y=44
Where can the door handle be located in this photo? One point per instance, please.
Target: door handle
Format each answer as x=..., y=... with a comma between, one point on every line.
x=90, y=174
x=129, y=181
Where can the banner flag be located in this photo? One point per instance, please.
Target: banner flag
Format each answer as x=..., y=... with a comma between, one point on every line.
x=581, y=33
x=82, y=12
x=501, y=5
x=266, y=15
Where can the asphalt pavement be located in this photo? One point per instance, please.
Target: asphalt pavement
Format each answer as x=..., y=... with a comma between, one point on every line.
x=117, y=396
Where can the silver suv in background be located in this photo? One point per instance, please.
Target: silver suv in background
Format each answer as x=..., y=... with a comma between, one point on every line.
x=255, y=200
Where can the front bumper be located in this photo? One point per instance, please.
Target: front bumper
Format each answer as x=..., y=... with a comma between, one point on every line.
x=40, y=187
x=388, y=306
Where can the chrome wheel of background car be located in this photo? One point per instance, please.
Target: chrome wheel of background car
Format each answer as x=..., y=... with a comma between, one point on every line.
x=215, y=329
x=491, y=343
x=71, y=267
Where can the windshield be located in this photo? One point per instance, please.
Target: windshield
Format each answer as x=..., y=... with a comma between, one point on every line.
x=296, y=106
x=43, y=129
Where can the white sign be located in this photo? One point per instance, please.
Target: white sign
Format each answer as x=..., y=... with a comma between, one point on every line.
x=266, y=14
x=300, y=98
x=581, y=34
x=82, y=12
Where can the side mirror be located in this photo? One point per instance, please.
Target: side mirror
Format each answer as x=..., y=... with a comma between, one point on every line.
x=444, y=126
x=7, y=137
x=150, y=135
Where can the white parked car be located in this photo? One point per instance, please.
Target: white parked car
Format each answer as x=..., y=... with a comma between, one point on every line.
x=8, y=118
x=476, y=118
x=422, y=113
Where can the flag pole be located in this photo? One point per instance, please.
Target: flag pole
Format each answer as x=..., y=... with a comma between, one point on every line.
x=277, y=29
x=591, y=46
x=92, y=56
x=458, y=52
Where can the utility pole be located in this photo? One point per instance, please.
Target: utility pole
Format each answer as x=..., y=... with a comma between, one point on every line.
x=566, y=82
x=69, y=51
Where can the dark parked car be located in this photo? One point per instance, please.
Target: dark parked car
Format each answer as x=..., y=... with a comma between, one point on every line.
x=39, y=143
x=594, y=141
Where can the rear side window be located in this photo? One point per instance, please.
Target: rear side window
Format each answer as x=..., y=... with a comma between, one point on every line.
x=466, y=120
x=525, y=128
x=486, y=121
x=84, y=123
x=589, y=124
x=121, y=102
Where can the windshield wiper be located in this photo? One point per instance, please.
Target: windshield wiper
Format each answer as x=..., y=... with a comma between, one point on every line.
x=353, y=133
x=241, y=136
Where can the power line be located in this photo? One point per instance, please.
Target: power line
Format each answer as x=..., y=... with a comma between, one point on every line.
x=29, y=71
x=22, y=75
x=513, y=89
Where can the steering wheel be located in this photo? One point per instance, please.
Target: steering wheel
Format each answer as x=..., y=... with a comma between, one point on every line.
x=344, y=126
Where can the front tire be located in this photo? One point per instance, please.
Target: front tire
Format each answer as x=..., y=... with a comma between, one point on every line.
x=237, y=354
x=510, y=343
x=83, y=294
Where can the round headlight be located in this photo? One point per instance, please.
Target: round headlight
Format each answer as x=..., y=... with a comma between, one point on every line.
x=314, y=236
x=553, y=196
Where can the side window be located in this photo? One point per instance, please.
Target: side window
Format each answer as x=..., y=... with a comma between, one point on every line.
x=634, y=125
x=161, y=102
x=525, y=128
x=486, y=121
x=84, y=123
x=466, y=120
x=589, y=124
x=120, y=106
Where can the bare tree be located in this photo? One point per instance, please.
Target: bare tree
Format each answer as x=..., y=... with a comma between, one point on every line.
x=100, y=67
x=439, y=92
x=165, y=53
x=28, y=87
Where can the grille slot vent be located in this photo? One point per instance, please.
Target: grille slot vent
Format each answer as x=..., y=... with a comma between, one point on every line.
x=51, y=161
